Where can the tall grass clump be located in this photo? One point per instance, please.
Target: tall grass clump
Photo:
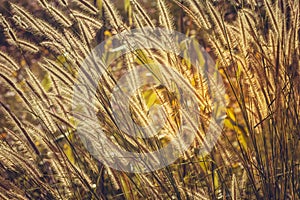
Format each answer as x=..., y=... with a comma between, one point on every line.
x=255, y=45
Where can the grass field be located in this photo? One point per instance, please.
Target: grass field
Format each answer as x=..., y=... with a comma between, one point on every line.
x=249, y=50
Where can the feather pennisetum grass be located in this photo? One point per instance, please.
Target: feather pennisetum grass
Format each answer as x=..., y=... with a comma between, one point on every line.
x=256, y=53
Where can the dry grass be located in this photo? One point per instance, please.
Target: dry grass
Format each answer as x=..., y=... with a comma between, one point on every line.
x=256, y=47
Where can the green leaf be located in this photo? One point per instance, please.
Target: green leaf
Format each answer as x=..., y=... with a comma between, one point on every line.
x=46, y=82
